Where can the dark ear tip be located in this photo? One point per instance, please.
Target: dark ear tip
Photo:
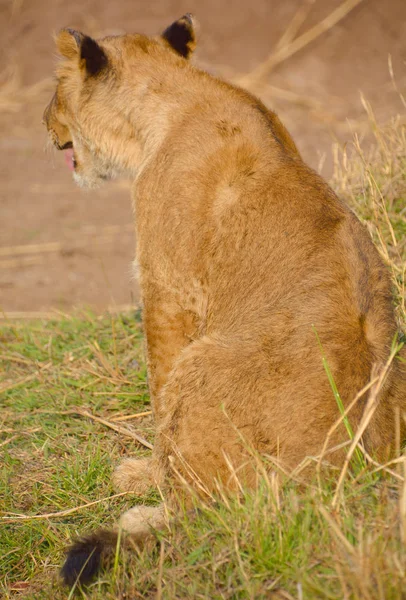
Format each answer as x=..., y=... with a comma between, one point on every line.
x=181, y=35
x=189, y=17
x=93, y=54
x=190, y=22
x=76, y=34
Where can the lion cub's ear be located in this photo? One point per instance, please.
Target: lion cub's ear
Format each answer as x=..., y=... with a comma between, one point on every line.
x=181, y=35
x=74, y=44
x=68, y=42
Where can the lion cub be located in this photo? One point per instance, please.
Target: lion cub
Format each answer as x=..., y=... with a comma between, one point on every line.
x=251, y=271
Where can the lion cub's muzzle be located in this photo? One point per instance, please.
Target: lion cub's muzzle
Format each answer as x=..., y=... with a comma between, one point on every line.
x=59, y=133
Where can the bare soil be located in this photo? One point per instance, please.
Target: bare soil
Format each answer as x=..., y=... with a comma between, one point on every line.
x=61, y=247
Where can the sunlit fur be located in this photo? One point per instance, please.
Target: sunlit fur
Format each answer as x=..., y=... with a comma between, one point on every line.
x=251, y=269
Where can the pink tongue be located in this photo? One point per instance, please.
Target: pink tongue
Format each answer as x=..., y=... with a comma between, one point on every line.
x=69, y=158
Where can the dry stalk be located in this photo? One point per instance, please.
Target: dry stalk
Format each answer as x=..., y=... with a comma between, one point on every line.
x=23, y=315
x=124, y=394
x=12, y=386
x=86, y=413
x=114, y=374
x=402, y=505
x=379, y=467
x=135, y=416
x=5, y=442
x=394, y=83
x=158, y=595
x=295, y=24
x=366, y=418
x=336, y=530
x=17, y=359
x=198, y=484
x=299, y=43
x=240, y=563
x=338, y=423
x=117, y=428
x=108, y=378
x=282, y=470
x=62, y=513
x=316, y=459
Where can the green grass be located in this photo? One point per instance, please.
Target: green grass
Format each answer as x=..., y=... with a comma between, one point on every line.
x=285, y=540
x=50, y=460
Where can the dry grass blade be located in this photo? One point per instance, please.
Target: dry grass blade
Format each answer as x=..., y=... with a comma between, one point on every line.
x=130, y=417
x=17, y=359
x=336, y=530
x=373, y=183
x=299, y=43
x=160, y=571
x=394, y=83
x=191, y=473
x=122, y=308
x=402, y=505
x=11, y=386
x=58, y=315
x=13, y=437
x=28, y=315
x=379, y=467
x=295, y=24
x=106, y=378
x=340, y=420
x=114, y=373
x=366, y=418
x=61, y=513
x=118, y=428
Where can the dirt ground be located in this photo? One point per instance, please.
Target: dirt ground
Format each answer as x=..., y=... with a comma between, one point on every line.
x=62, y=247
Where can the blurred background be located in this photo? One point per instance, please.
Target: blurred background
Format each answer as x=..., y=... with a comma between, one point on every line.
x=308, y=59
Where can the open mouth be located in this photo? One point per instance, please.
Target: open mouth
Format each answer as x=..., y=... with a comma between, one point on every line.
x=67, y=148
x=70, y=158
x=69, y=154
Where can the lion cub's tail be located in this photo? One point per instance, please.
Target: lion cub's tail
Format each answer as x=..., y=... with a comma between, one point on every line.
x=90, y=553
x=86, y=556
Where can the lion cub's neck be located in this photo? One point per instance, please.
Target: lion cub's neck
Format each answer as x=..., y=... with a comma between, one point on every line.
x=194, y=112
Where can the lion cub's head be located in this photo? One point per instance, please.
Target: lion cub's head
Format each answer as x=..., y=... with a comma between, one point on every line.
x=96, y=112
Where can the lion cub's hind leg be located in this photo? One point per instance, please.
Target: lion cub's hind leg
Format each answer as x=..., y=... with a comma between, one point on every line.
x=209, y=428
x=137, y=475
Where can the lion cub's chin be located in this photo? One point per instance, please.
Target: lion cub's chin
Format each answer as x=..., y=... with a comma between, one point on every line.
x=91, y=181
x=86, y=182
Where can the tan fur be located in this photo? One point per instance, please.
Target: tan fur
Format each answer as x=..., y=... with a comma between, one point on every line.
x=245, y=255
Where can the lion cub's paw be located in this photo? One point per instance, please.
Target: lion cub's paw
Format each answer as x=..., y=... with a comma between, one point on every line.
x=134, y=475
x=141, y=519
